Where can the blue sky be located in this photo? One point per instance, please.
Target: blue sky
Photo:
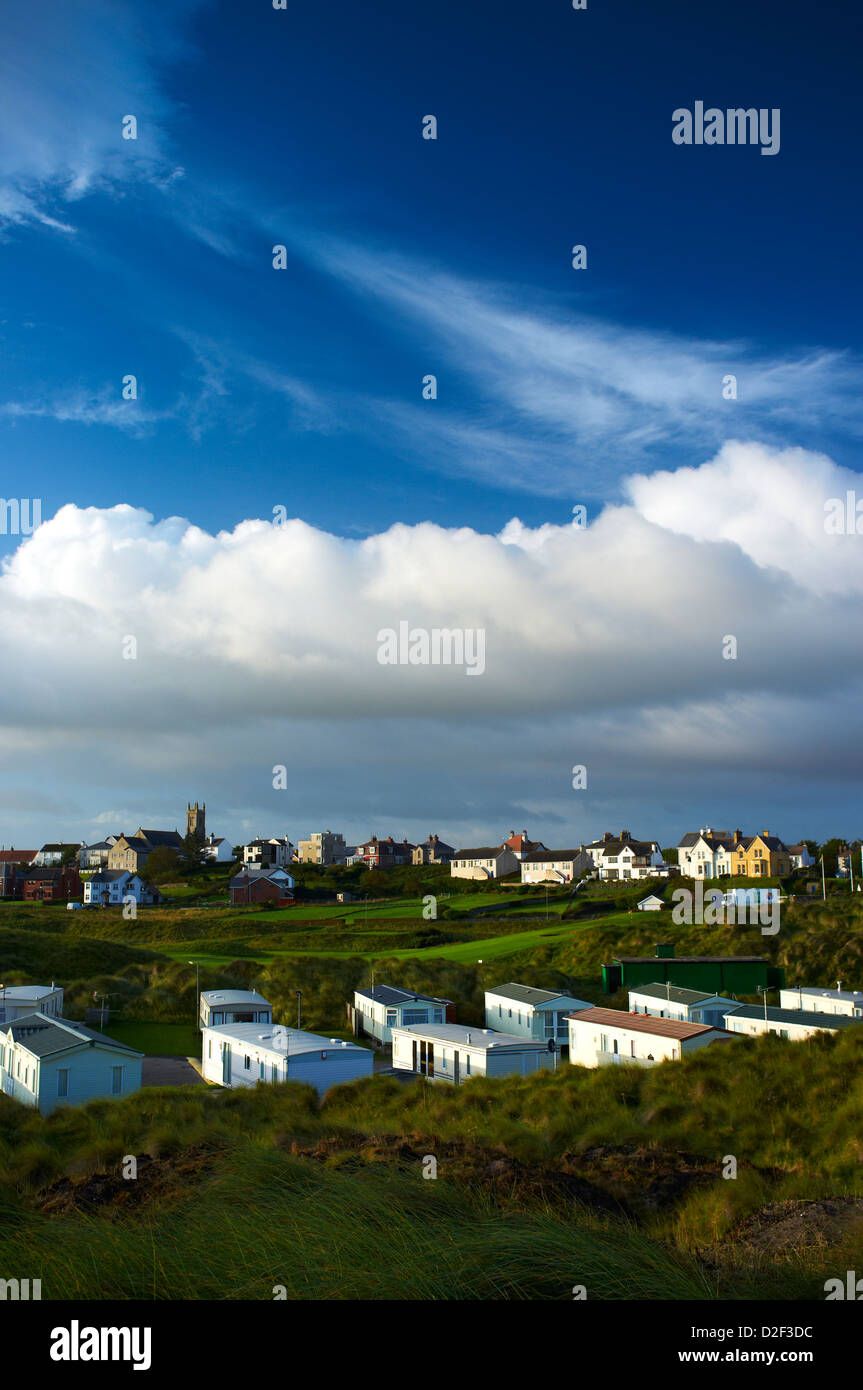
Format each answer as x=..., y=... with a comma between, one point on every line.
x=302, y=388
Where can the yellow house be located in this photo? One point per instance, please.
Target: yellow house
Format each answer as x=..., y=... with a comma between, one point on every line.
x=766, y=857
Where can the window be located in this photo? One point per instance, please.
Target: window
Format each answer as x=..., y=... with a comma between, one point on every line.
x=410, y=1016
x=116, y=1081
x=209, y=1047
x=262, y=1071
x=391, y=1018
x=467, y=1064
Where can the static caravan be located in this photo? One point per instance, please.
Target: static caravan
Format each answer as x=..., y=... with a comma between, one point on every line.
x=245, y=1054
x=375, y=1012
x=531, y=1013
x=687, y=1005
x=603, y=1037
x=47, y=1062
x=453, y=1052
x=794, y=1024
x=220, y=1007
x=823, y=1001
x=17, y=1001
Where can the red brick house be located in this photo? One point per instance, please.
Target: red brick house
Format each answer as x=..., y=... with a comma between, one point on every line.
x=274, y=886
x=386, y=854
x=51, y=885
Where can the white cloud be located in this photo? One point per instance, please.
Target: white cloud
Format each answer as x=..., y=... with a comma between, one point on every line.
x=69, y=74
x=562, y=396
x=259, y=646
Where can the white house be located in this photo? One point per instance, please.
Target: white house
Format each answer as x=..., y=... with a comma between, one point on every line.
x=651, y=904
x=526, y=1012
x=453, y=1052
x=246, y=1054
x=96, y=856
x=277, y=851
x=491, y=861
x=377, y=1011
x=47, y=1062
x=554, y=865
x=16, y=1001
x=600, y=1037
x=49, y=856
x=622, y=857
x=217, y=849
x=823, y=1001
x=686, y=1005
x=226, y=1006
x=794, y=1024
x=110, y=887
x=800, y=857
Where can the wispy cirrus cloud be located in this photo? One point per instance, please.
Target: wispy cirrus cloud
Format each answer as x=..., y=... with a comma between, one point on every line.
x=69, y=74
x=563, y=395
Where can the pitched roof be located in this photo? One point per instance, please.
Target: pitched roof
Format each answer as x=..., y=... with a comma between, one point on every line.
x=809, y=1017
x=24, y=992
x=675, y=993
x=549, y=856
x=285, y=1042
x=642, y=1023
x=389, y=994
x=255, y=874
x=466, y=1036
x=43, y=1036
x=233, y=996
x=17, y=856
x=526, y=994
x=484, y=852
x=854, y=995
x=616, y=845
x=172, y=838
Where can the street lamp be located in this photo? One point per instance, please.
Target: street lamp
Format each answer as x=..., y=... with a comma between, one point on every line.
x=299, y=1006
x=764, y=990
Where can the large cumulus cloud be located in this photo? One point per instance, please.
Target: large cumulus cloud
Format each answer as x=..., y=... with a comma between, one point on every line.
x=603, y=646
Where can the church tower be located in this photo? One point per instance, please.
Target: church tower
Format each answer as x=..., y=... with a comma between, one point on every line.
x=196, y=820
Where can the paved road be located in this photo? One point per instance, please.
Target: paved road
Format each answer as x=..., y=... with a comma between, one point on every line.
x=169, y=1071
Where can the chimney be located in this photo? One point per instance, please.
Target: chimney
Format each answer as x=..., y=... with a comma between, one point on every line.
x=738, y=836
x=764, y=834
x=625, y=835
x=524, y=833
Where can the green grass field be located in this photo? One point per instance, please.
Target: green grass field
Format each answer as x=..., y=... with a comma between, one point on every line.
x=157, y=1039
